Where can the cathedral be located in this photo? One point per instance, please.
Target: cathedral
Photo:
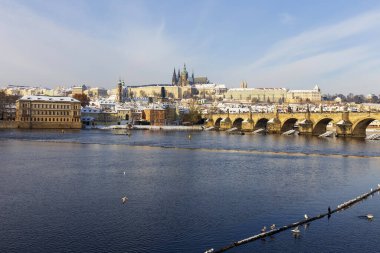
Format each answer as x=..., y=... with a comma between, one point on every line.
x=182, y=78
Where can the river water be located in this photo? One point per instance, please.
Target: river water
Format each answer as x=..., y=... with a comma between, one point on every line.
x=60, y=192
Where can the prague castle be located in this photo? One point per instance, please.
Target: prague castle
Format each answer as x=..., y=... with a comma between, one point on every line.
x=181, y=86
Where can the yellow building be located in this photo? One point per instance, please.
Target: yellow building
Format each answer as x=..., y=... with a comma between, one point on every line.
x=300, y=96
x=156, y=117
x=263, y=95
x=97, y=92
x=48, y=112
x=158, y=90
x=78, y=90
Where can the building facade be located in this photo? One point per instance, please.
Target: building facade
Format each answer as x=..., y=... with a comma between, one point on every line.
x=260, y=95
x=48, y=112
x=156, y=117
x=158, y=90
x=300, y=96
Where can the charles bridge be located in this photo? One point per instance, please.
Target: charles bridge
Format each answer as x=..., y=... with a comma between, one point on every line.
x=350, y=124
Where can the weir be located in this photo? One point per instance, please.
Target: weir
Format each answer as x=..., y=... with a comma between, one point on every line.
x=340, y=207
x=327, y=134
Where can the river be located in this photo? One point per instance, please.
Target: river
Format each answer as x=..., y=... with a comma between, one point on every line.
x=61, y=192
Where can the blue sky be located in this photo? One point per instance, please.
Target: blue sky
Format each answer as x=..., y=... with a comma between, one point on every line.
x=292, y=44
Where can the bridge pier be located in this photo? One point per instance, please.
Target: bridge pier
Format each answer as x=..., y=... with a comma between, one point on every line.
x=274, y=126
x=247, y=125
x=209, y=123
x=344, y=128
x=305, y=127
x=225, y=124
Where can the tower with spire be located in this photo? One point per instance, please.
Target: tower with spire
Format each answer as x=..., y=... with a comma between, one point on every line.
x=120, y=91
x=184, y=76
x=174, y=78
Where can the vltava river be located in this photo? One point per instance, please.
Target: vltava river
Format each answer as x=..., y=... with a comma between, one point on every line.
x=61, y=192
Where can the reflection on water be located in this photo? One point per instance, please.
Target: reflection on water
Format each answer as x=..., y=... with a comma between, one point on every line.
x=61, y=192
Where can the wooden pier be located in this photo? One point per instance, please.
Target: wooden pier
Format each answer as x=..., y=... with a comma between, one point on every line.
x=340, y=207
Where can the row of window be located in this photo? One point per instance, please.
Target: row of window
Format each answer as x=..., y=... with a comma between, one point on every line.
x=50, y=106
x=25, y=112
x=51, y=119
x=50, y=113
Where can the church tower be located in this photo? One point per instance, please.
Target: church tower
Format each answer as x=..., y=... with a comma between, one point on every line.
x=120, y=92
x=174, y=78
x=184, y=76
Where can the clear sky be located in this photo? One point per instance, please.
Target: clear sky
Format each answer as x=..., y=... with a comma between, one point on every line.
x=277, y=43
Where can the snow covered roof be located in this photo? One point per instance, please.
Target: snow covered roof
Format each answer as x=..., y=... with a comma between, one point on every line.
x=48, y=99
x=304, y=91
x=254, y=89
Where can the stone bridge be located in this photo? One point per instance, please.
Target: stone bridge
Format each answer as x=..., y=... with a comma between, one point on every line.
x=312, y=123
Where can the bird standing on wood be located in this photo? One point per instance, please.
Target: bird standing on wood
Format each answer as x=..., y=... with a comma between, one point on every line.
x=306, y=217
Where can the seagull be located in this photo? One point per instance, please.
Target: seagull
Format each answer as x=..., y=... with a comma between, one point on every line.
x=124, y=173
x=306, y=217
x=124, y=199
x=371, y=189
x=369, y=216
x=273, y=227
x=378, y=185
x=263, y=229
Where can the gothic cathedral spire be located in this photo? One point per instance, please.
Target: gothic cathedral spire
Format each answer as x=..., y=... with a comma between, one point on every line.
x=174, y=78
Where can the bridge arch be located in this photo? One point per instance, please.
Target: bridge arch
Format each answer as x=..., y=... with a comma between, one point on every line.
x=217, y=123
x=238, y=123
x=320, y=127
x=359, y=128
x=288, y=124
x=261, y=123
